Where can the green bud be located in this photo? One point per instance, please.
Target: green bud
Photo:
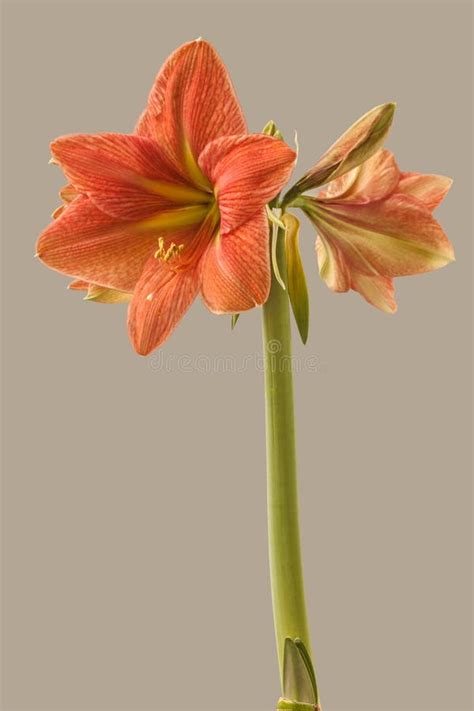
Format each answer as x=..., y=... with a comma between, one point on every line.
x=271, y=129
x=355, y=146
x=296, y=279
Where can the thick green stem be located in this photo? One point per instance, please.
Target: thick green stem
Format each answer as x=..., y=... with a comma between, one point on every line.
x=283, y=527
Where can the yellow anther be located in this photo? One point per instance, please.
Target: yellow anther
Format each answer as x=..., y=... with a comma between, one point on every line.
x=166, y=254
x=173, y=250
x=160, y=252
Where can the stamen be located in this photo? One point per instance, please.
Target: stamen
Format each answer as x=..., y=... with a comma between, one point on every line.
x=163, y=254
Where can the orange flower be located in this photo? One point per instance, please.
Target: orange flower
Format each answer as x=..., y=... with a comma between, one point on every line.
x=374, y=222
x=176, y=209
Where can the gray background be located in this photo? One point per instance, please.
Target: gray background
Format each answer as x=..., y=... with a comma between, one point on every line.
x=135, y=563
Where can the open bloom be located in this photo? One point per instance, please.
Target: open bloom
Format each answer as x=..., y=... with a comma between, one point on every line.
x=374, y=222
x=176, y=209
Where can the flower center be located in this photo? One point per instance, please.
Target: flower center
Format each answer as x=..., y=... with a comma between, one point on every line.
x=207, y=217
x=169, y=220
x=176, y=193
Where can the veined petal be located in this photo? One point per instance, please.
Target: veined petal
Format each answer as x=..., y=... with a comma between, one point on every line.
x=236, y=268
x=247, y=172
x=126, y=176
x=78, y=285
x=333, y=269
x=375, y=179
x=92, y=246
x=392, y=237
x=192, y=103
x=160, y=300
x=355, y=146
x=332, y=266
x=378, y=291
x=338, y=188
x=146, y=125
x=429, y=189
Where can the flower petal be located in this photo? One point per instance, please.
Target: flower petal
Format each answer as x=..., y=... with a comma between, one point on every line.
x=333, y=269
x=126, y=176
x=90, y=245
x=391, y=237
x=236, y=269
x=78, y=285
x=375, y=179
x=332, y=266
x=355, y=146
x=160, y=300
x=247, y=172
x=378, y=291
x=191, y=103
x=429, y=189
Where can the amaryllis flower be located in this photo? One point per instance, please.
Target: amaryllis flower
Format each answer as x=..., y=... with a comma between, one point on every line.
x=174, y=210
x=374, y=222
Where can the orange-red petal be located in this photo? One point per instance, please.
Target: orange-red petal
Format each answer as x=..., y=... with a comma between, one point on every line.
x=236, y=268
x=191, y=103
x=160, y=300
x=79, y=285
x=123, y=175
x=247, y=172
x=92, y=246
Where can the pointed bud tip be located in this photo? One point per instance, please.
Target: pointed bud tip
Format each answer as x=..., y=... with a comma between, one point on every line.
x=387, y=107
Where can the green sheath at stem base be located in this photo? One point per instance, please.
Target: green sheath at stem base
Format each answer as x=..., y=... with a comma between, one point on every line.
x=286, y=573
